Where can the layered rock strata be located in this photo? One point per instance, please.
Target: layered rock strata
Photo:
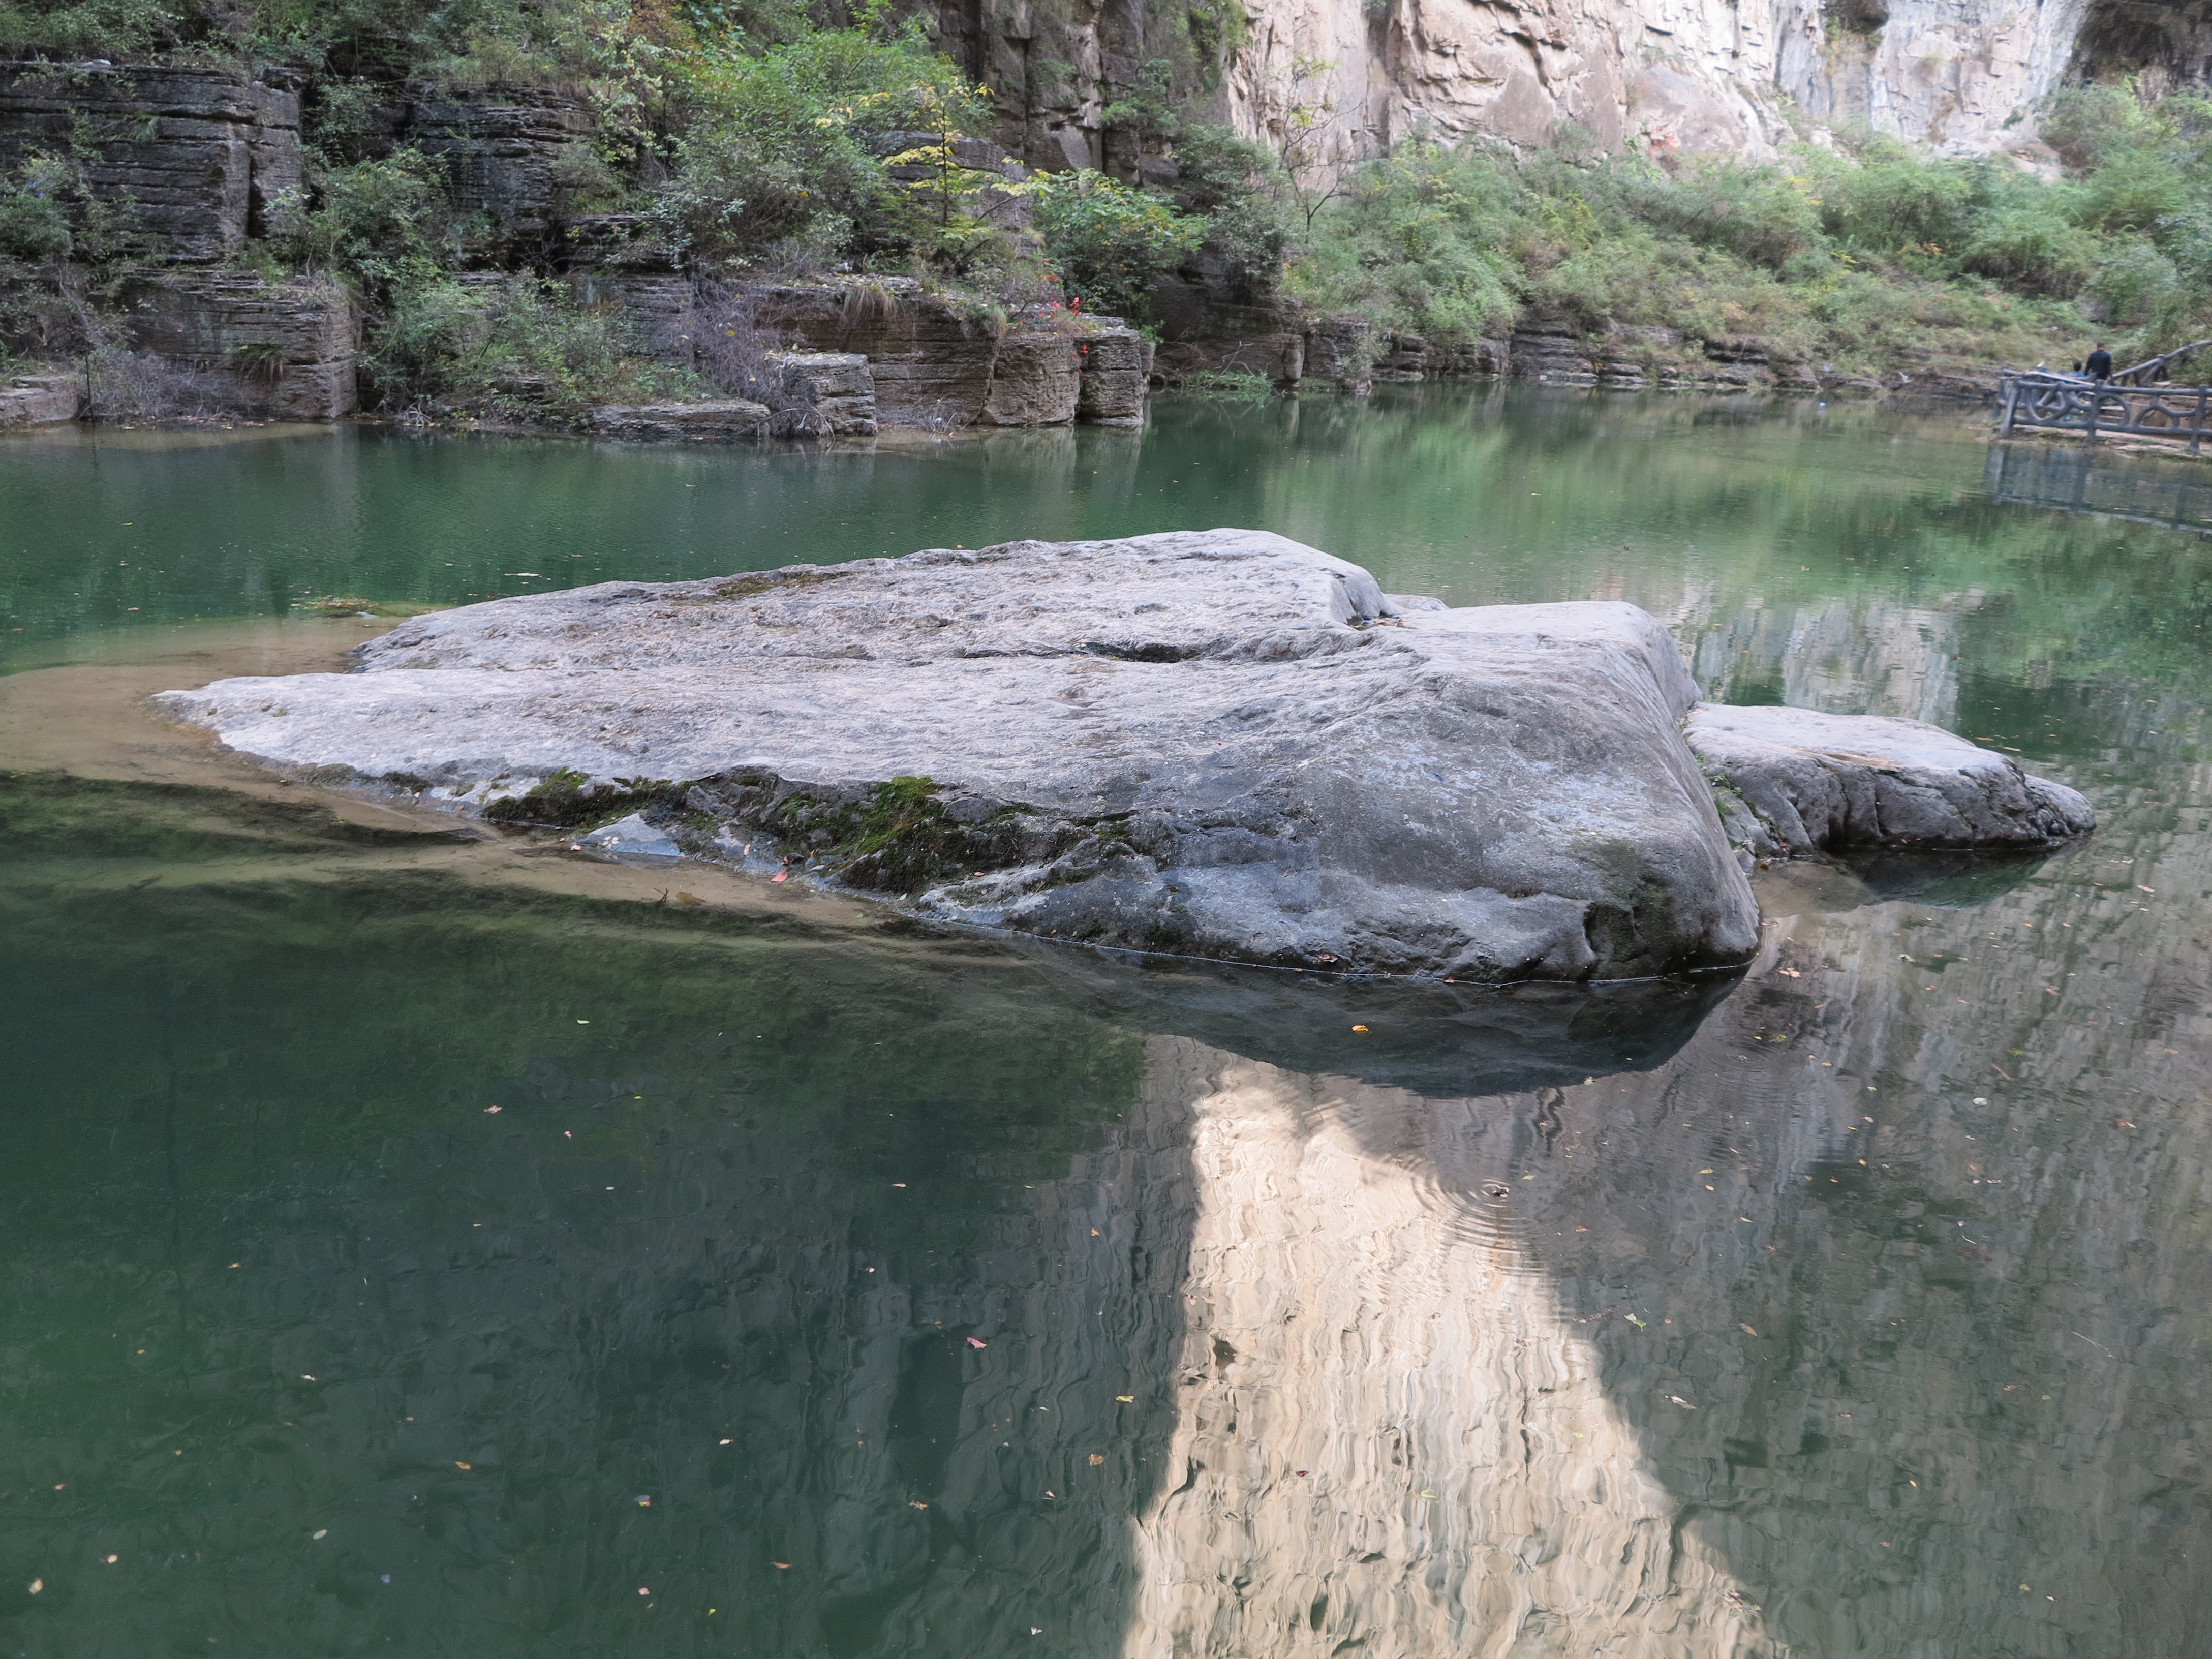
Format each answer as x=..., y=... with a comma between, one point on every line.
x=936, y=362
x=195, y=157
x=505, y=152
x=826, y=393
x=291, y=346
x=1220, y=744
x=722, y=418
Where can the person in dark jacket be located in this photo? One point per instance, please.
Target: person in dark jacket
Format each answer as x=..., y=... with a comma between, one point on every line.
x=2099, y=366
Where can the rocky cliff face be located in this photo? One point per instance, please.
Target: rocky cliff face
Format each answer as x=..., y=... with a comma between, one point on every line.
x=200, y=154
x=1696, y=77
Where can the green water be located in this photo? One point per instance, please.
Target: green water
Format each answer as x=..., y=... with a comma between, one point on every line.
x=823, y=1289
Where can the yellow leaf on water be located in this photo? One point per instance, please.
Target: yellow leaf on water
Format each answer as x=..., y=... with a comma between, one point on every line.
x=459, y=1465
x=1096, y=1458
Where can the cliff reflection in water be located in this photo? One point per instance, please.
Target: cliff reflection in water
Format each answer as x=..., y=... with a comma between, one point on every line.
x=949, y=1300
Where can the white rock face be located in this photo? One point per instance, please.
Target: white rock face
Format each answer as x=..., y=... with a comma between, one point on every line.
x=1806, y=781
x=1687, y=76
x=1220, y=744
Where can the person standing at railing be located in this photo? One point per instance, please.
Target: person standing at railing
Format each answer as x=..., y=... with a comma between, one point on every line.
x=2099, y=365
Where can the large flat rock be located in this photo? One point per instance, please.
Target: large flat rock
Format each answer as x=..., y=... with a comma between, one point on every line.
x=1797, y=781
x=1217, y=743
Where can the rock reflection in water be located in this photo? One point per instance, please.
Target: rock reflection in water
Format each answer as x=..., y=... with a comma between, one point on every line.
x=1820, y=1320
x=1391, y=1436
x=1827, y=1336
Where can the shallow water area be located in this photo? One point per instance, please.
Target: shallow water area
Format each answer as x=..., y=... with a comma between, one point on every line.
x=428, y=1242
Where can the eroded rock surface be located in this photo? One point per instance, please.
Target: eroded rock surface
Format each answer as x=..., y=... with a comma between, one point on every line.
x=1217, y=743
x=1796, y=780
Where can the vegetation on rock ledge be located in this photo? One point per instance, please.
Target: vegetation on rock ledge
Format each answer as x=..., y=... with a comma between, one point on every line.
x=750, y=138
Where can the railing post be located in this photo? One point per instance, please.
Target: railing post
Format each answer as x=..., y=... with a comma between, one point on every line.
x=2197, y=423
x=2011, y=398
x=2090, y=435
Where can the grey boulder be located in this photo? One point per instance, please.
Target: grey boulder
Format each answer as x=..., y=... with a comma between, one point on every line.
x=1796, y=780
x=1218, y=743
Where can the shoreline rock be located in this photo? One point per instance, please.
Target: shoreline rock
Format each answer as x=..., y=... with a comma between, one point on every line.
x=1219, y=744
x=1794, y=781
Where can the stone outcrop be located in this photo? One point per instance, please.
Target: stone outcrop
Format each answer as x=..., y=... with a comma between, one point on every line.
x=723, y=417
x=289, y=345
x=1035, y=380
x=1797, y=781
x=1116, y=376
x=937, y=363
x=506, y=153
x=1341, y=349
x=825, y=393
x=1220, y=744
x=41, y=399
x=931, y=358
x=197, y=157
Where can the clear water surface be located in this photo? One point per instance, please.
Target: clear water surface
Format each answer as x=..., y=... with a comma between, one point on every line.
x=416, y=1247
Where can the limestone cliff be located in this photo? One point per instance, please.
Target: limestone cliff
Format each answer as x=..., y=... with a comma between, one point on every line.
x=1696, y=77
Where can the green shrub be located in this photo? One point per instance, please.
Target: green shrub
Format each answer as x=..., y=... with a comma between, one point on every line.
x=34, y=225
x=777, y=149
x=1111, y=241
x=1757, y=212
x=116, y=29
x=1889, y=200
x=49, y=216
x=1233, y=184
x=511, y=346
x=1417, y=241
x=381, y=222
x=2133, y=283
x=2032, y=247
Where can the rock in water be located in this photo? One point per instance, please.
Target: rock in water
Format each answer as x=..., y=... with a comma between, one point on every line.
x=630, y=837
x=1217, y=744
x=1796, y=780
